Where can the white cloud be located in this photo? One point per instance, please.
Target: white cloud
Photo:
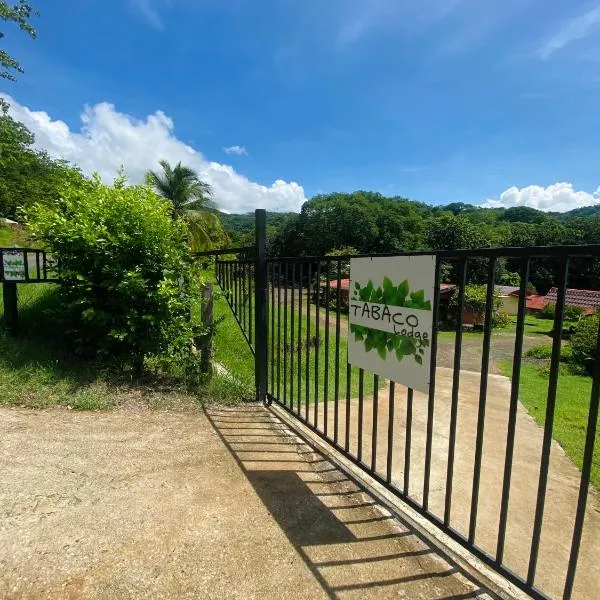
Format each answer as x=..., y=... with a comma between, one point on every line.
x=575, y=29
x=558, y=197
x=239, y=150
x=109, y=139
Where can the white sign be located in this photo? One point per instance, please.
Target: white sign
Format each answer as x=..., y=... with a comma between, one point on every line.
x=13, y=263
x=391, y=318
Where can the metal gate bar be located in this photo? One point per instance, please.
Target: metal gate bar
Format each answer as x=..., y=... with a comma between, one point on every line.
x=319, y=362
x=293, y=343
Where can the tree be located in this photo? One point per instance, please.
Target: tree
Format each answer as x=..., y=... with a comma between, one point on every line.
x=19, y=13
x=27, y=175
x=190, y=199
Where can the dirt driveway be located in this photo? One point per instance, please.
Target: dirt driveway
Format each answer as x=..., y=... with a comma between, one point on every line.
x=222, y=504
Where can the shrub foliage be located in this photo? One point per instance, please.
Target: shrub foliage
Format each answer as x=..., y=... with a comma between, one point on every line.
x=126, y=278
x=584, y=342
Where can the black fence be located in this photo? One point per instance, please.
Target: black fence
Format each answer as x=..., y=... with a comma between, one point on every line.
x=466, y=456
x=20, y=266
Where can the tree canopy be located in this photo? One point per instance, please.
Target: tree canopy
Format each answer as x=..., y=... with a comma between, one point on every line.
x=27, y=175
x=373, y=223
x=19, y=13
x=190, y=199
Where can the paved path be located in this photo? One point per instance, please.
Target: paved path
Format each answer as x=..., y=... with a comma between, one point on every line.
x=191, y=505
x=563, y=482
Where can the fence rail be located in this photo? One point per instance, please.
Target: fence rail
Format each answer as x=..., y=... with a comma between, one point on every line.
x=482, y=485
x=27, y=265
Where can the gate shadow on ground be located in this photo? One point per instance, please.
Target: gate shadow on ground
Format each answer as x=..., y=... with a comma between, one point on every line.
x=349, y=544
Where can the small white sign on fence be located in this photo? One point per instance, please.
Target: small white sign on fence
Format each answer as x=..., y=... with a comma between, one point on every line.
x=13, y=263
x=391, y=317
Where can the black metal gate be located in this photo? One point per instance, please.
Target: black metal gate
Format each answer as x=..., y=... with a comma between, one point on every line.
x=292, y=313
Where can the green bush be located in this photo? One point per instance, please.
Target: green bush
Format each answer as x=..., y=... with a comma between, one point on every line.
x=584, y=342
x=501, y=319
x=127, y=281
x=540, y=351
x=475, y=300
x=572, y=313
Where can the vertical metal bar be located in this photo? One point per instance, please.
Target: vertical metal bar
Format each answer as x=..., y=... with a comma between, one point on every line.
x=260, y=361
x=26, y=264
x=11, y=310
x=390, y=442
x=348, y=392
x=300, y=340
x=272, y=328
x=485, y=361
x=408, y=440
x=37, y=264
x=317, y=344
x=243, y=298
x=279, y=332
x=326, y=366
x=292, y=347
x=375, y=419
x=549, y=421
x=285, y=333
x=432, y=369
x=361, y=381
x=236, y=288
x=251, y=291
x=512, y=411
x=455, y=388
x=308, y=298
x=588, y=455
x=337, y=352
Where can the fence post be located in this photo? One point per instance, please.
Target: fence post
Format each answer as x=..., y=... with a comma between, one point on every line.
x=207, y=320
x=260, y=307
x=11, y=314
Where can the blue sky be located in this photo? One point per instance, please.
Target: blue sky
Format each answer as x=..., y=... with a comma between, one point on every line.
x=436, y=100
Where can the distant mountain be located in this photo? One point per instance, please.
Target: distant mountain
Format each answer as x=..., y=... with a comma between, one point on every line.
x=586, y=211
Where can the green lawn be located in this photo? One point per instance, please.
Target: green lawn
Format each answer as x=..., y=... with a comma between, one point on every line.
x=534, y=327
x=571, y=415
x=38, y=371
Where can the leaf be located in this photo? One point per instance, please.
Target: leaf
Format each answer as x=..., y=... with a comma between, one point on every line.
x=399, y=355
x=388, y=289
x=418, y=359
x=418, y=298
x=382, y=352
x=369, y=344
x=403, y=289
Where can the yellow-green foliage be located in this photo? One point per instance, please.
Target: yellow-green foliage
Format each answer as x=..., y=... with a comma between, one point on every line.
x=126, y=280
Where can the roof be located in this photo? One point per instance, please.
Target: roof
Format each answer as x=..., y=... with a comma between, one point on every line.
x=584, y=298
x=536, y=302
x=506, y=290
x=344, y=284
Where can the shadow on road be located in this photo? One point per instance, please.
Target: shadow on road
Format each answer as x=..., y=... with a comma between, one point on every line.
x=351, y=546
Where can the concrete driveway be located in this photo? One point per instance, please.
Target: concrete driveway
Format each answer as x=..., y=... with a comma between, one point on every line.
x=563, y=482
x=222, y=504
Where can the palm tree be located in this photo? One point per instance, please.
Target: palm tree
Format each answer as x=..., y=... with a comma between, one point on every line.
x=182, y=187
x=190, y=199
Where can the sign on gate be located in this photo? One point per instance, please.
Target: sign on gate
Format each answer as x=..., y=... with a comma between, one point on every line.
x=391, y=318
x=13, y=263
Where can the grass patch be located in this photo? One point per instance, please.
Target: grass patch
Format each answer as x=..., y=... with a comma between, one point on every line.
x=571, y=414
x=288, y=358
x=37, y=370
x=13, y=236
x=534, y=327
